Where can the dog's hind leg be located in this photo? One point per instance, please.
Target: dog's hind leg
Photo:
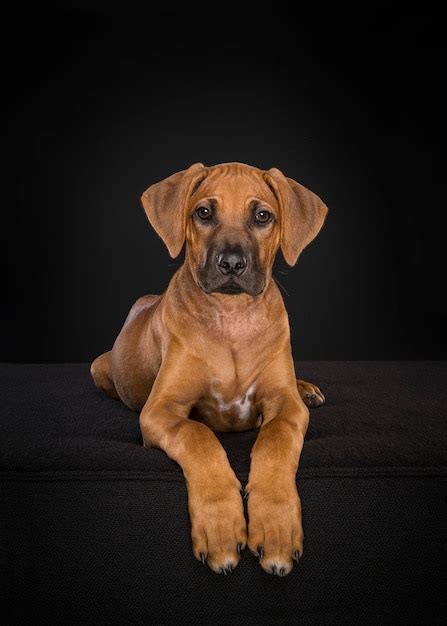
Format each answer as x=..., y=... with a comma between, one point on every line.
x=100, y=370
x=310, y=394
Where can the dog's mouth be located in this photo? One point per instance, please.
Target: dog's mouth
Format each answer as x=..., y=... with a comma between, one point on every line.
x=231, y=287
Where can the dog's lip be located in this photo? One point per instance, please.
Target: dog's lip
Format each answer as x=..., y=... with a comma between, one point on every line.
x=230, y=287
x=203, y=288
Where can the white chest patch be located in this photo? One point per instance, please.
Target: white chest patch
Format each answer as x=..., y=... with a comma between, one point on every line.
x=241, y=405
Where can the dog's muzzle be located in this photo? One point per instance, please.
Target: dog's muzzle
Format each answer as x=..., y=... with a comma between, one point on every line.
x=231, y=270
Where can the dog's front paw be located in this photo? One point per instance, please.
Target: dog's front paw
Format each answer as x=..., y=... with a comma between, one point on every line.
x=275, y=533
x=218, y=527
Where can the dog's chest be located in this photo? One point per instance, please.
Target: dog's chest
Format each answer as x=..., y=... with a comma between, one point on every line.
x=224, y=410
x=239, y=406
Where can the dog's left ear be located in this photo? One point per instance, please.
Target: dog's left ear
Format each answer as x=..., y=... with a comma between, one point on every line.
x=302, y=214
x=165, y=203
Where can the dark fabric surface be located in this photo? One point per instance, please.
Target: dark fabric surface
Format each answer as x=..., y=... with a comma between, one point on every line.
x=119, y=552
x=95, y=528
x=377, y=414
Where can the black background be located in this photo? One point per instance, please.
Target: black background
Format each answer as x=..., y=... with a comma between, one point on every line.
x=101, y=102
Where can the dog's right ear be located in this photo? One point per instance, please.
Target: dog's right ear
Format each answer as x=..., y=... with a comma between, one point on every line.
x=165, y=203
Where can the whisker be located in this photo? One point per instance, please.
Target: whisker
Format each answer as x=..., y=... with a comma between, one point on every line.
x=280, y=285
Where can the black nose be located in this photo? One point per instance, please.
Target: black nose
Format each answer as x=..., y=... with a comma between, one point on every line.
x=231, y=261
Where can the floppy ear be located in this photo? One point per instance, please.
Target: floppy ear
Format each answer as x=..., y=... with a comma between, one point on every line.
x=302, y=214
x=165, y=204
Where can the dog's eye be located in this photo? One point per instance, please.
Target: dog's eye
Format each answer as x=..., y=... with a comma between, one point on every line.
x=204, y=212
x=263, y=217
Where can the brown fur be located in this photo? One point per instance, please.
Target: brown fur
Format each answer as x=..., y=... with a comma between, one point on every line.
x=194, y=361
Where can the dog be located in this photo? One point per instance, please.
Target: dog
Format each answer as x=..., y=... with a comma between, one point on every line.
x=213, y=353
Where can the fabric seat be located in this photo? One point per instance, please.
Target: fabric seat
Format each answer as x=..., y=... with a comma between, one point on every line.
x=96, y=527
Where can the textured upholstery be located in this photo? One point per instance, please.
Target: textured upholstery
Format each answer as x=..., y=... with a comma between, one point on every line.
x=96, y=527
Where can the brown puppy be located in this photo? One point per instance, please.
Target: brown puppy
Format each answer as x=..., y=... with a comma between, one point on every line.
x=213, y=353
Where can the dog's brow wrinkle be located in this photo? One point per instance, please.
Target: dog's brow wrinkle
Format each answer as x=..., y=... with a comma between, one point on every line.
x=197, y=184
x=272, y=189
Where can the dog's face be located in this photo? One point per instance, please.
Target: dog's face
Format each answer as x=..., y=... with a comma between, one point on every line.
x=233, y=217
x=232, y=231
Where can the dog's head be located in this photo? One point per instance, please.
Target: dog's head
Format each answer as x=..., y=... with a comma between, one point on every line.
x=234, y=217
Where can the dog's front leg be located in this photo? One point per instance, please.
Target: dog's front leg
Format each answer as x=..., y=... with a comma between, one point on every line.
x=218, y=526
x=275, y=531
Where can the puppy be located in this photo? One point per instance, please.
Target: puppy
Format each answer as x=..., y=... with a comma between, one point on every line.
x=213, y=353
